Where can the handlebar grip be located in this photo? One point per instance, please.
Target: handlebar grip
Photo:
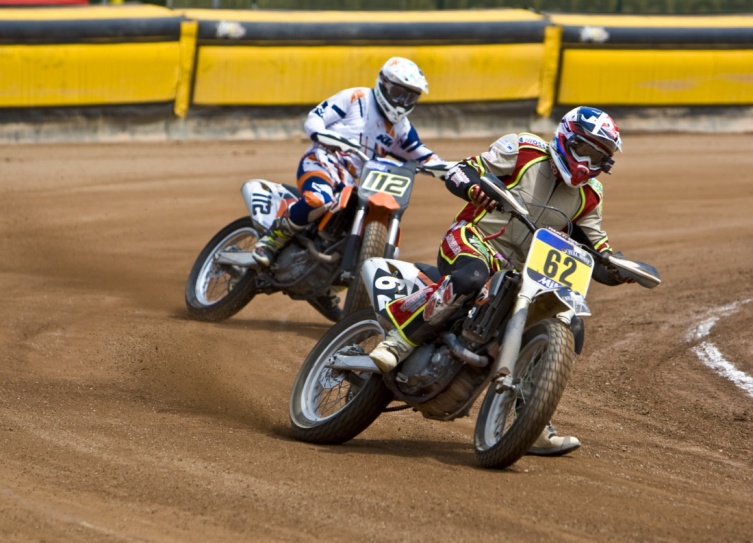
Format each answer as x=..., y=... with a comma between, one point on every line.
x=497, y=191
x=340, y=143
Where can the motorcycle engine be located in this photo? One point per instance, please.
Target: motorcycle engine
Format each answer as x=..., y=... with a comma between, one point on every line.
x=301, y=275
x=437, y=384
x=427, y=371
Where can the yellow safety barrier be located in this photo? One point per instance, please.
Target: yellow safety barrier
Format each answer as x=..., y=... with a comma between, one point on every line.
x=257, y=75
x=121, y=55
x=289, y=58
x=90, y=56
x=655, y=61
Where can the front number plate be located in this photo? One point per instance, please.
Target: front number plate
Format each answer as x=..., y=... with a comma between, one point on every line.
x=554, y=262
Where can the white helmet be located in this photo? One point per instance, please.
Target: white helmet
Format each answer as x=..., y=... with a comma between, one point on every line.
x=398, y=87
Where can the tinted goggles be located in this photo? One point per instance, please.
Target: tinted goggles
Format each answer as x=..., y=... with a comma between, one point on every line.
x=398, y=95
x=584, y=150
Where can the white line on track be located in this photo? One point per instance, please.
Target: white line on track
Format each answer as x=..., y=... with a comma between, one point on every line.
x=710, y=355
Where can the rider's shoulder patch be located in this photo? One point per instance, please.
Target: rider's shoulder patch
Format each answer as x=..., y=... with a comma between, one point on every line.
x=597, y=186
x=533, y=140
x=505, y=144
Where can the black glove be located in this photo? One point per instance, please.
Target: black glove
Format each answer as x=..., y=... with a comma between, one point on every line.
x=460, y=180
x=607, y=274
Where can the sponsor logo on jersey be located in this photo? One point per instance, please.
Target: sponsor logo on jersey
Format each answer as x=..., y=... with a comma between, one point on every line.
x=453, y=244
x=530, y=139
x=385, y=140
x=506, y=145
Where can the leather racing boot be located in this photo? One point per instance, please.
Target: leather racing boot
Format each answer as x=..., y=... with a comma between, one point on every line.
x=278, y=235
x=550, y=444
x=328, y=305
x=391, y=351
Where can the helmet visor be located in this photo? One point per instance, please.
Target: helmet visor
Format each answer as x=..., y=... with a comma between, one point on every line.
x=397, y=95
x=585, y=151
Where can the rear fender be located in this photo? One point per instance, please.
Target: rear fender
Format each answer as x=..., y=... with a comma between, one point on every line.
x=387, y=280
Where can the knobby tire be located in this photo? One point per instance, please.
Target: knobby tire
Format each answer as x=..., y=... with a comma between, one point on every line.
x=546, y=359
x=372, y=245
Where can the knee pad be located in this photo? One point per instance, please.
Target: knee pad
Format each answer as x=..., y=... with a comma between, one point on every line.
x=317, y=197
x=443, y=303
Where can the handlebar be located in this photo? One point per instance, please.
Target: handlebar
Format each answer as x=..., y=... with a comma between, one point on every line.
x=336, y=141
x=437, y=168
x=640, y=272
x=341, y=143
x=497, y=191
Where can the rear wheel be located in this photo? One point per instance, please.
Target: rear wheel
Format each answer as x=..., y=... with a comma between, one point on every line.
x=372, y=245
x=330, y=406
x=510, y=421
x=215, y=292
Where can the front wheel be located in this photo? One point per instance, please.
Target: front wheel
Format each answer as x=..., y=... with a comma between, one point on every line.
x=372, y=245
x=510, y=421
x=329, y=406
x=215, y=292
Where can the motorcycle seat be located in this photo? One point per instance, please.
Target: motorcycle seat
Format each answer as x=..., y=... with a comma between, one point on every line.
x=432, y=272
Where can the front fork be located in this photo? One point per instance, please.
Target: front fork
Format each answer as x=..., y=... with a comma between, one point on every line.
x=504, y=363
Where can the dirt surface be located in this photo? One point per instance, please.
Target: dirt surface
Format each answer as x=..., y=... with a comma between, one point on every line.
x=123, y=420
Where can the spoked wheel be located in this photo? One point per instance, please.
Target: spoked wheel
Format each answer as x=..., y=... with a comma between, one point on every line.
x=214, y=291
x=510, y=421
x=330, y=406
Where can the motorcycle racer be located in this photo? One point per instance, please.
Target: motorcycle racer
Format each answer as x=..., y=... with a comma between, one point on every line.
x=559, y=175
x=371, y=118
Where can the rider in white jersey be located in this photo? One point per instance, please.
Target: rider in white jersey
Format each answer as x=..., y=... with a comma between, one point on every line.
x=374, y=119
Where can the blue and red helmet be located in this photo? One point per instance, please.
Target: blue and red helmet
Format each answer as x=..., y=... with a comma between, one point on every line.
x=584, y=145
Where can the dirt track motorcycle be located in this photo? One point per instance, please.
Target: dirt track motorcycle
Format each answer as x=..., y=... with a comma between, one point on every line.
x=364, y=223
x=517, y=341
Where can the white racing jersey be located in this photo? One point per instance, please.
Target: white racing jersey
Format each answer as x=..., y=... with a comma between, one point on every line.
x=354, y=114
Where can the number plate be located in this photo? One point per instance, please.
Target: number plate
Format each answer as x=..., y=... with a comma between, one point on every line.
x=554, y=262
x=386, y=182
